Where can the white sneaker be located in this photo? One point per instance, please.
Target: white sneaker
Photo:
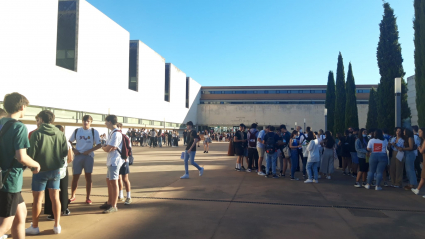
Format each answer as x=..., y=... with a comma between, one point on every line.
x=315, y=181
x=308, y=181
x=377, y=188
x=32, y=231
x=3, y=237
x=57, y=230
x=367, y=186
x=328, y=177
x=248, y=170
x=201, y=171
x=185, y=176
x=319, y=177
x=261, y=174
x=415, y=191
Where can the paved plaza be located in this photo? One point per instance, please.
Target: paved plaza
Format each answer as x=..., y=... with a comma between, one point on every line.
x=224, y=203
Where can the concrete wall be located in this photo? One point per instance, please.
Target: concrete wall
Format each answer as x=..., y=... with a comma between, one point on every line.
x=411, y=99
x=233, y=115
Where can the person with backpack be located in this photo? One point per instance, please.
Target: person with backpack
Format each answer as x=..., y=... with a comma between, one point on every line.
x=301, y=138
x=361, y=148
x=49, y=148
x=189, y=154
x=240, y=140
x=261, y=151
x=114, y=162
x=294, y=145
x=270, y=143
x=124, y=177
x=88, y=141
x=252, y=137
x=285, y=159
x=345, y=152
x=14, y=143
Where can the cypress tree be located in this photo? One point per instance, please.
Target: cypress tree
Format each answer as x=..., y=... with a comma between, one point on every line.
x=339, y=123
x=351, y=114
x=330, y=100
x=419, y=26
x=390, y=66
x=372, y=114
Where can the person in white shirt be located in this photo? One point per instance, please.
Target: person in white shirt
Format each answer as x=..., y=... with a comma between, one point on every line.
x=378, y=158
x=124, y=178
x=88, y=141
x=313, y=159
x=114, y=163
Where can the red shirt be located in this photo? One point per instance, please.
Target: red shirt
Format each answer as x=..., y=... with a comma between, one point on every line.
x=29, y=135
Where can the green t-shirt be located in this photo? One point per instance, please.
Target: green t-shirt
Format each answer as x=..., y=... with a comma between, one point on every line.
x=15, y=138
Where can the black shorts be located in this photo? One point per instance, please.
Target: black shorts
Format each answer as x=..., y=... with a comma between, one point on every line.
x=9, y=203
x=253, y=153
x=363, y=166
x=240, y=151
x=125, y=168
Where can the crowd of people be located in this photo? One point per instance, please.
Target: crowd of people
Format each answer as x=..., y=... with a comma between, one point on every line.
x=373, y=157
x=154, y=138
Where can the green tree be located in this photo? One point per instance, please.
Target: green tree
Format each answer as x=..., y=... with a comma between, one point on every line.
x=390, y=66
x=372, y=114
x=339, y=123
x=351, y=114
x=419, y=27
x=330, y=100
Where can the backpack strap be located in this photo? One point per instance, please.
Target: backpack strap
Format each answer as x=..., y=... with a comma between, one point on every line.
x=92, y=133
x=75, y=134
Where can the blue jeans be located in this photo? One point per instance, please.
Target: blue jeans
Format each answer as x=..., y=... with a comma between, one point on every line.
x=410, y=167
x=192, y=161
x=271, y=160
x=304, y=166
x=354, y=157
x=160, y=142
x=312, y=170
x=50, y=179
x=377, y=164
x=294, y=161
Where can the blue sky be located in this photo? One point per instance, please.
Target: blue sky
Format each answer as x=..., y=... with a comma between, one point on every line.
x=268, y=42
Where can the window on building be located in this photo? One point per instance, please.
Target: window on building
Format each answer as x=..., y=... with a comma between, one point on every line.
x=133, y=83
x=167, y=83
x=187, y=92
x=67, y=34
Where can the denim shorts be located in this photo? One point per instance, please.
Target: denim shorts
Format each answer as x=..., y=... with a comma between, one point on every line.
x=47, y=179
x=113, y=172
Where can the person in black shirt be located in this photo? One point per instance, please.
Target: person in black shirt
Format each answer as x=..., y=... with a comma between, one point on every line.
x=192, y=139
x=271, y=145
x=240, y=142
x=184, y=137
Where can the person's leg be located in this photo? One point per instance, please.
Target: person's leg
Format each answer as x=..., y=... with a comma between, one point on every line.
x=255, y=156
x=410, y=168
x=56, y=205
x=109, y=190
x=349, y=162
x=280, y=159
x=6, y=223
x=205, y=147
x=192, y=160
x=127, y=184
x=373, y=164
x=310, y=170
x=274, y=159
x=47, y=203
x=315, y=170
x=421, y=183
x=77, y=169
x=250, y=158
x=344, y=164
x=418, y=166
x=339, y=161
x=393, y=168
x=304, y=166
x=36, y=206
x=399, y=172
x=186, y=162
x=114, y=192
x=120, y=187
x=268, y=163
x=18, y=226
x=294, y=162
x=380, y=170
x=63, y=194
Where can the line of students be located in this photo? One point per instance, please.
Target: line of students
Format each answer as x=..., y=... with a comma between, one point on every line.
x=154, y=138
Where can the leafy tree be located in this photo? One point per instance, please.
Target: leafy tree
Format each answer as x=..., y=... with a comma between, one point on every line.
x=419, y=26
x=351, y=114
x=372, y=114
x=330, y=100
x=390, y=66
x=339, y=123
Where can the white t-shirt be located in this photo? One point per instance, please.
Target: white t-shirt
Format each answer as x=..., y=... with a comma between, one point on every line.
x=85, y=139
x=153, y=133
x=114, y=157
x=378, y=146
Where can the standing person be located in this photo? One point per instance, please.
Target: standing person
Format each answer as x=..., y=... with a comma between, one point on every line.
x=113, y=163
x=152, y=138
x=88, y=141
x=418, y=158
x=361, y=148
x=206, y=141
x=38, y=123
x=261, y=151
x=13, y=154
x=396, y=167
x=327, y=164
x=48, y=148
x=313, y=158
x=284, y=160
x=239, y=143
x=338, y=150
x=177, y=138
x=124, y=178
x=421, y=150
x=3, y=113
x=409, y=158
x=170, y=138
x=294, y=145
x=138, y=135
x=378, y=159
x=174, y=138
x=271, y=141
x=301, y=138
x=345, y=152
x=160, y=138
x=192, y=139
x=353, y=152
x=252, y=137
x=184, y=137
x=63, y=194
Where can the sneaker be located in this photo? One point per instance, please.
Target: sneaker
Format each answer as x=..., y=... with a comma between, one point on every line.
x=315, y=181
x=185, y=176
x=357, y=185
x=261, y=174
x=105, y=206
x=275, y=176
x=308, y=181
x=386, y=184
x=88, y=201
x=71, y=200
x=205, y=151
x=395, y=186
x=248, y=170
x=66, y=213
x=201, y=171
x=415, y=191
x=373, y=184
x=367, y=186
x=50, y=218
x=294, y=179
x=319, y=177
x=328, y=177
x=121, y=199
x=344, y=173
x=423, y=196
x=243, y=168
x=127, y=201
x=238, y=169
x=110, y=210
x=57, y=230
x=377, y=188
x=363, y=184
x=32, y=231
x=3, y=237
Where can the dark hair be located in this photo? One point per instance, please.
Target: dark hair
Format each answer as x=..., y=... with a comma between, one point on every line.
x=407, y=135
x=13, y=102
x=271, y=128
x=355, y=129
x=119, y=125
x=360, y=133
x=112, y=119
x=87, y=118
x=268, y=126
x=254, y=125
x=282, y=126
x=294, y=133
x=385, y=131
x=423, y=132
x=46, y=116
x=308, y=129
x=378, y=134
x=346, y=132
x=415, y=128
x=397, y=128
x=329, y=140
x=2, y=113
x=160, y=132
x=310, y=136
x=189, y=123
x=60, y=127
x=242, y=125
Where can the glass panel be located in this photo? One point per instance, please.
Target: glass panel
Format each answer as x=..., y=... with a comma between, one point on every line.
x=67, y=34
x=187, y=92
x=65, y=114
x=228, y=92
x=119, y=119
x=167, y=83
x=33, y=110
x=98, y=117
x=133, y=66
x=158, y=123
x=132, y=121
x=147, y=122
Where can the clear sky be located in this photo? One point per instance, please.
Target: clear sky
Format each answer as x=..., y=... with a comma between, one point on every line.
x=267, y=42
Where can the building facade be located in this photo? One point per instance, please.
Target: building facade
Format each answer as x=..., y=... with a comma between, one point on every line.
x=411, y=99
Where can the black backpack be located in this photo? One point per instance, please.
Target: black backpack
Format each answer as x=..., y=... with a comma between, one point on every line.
x=270, y=145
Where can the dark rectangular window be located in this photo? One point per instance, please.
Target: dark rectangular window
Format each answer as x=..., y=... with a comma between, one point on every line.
x=67, y=34
x=260, y=91
x=167, y=82
x=187, y=92
x=228, y=92
x=284, y=91
x=133, y=81
x=250, y=92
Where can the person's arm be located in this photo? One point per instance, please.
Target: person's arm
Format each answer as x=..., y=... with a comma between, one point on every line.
x=70, y=156
x=23, y=158
x=421, y=148
x=410, y=148
x=310, y=146
x=358, y=147
x=109, y=148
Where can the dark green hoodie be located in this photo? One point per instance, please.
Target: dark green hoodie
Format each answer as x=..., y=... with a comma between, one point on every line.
x=48, y=147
